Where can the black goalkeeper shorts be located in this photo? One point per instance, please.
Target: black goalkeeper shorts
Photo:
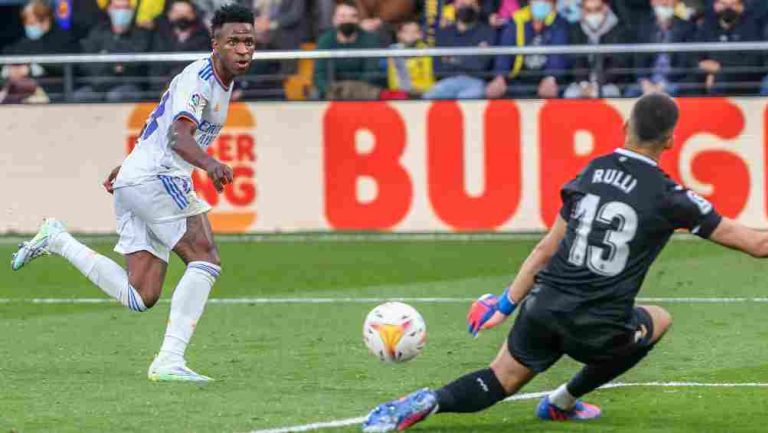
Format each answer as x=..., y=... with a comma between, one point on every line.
x=540, y=337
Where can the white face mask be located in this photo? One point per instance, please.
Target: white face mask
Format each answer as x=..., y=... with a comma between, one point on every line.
x=664, y=13
x=594, y=20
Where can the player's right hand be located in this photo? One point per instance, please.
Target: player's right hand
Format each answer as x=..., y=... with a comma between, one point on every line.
x=110, y=182
x=480, y=312
x=220, y=174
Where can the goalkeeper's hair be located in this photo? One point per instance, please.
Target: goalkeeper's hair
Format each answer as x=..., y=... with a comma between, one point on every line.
x=231, y=13
x=654, y=118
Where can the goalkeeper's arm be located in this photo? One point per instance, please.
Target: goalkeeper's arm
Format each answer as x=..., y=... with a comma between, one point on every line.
x=523, y=282
x=537, y=259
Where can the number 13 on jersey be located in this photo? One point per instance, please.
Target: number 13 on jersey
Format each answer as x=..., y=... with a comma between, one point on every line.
x=609, y=258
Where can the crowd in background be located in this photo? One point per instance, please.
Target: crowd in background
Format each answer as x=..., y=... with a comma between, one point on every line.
x=137, y=26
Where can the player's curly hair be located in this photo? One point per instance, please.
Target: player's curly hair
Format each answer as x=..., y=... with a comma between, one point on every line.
x=231, y=13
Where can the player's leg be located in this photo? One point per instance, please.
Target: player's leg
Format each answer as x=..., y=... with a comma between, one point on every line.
x=530, y=349
x=137, y=289
x=198, y=250
x=651, y=323
x=472, y=392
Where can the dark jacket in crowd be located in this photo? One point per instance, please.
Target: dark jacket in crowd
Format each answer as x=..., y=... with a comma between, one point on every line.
x=353, y=69
x=103, y=41
x=451, y=37
x=531, y=69
x=631, y=13
x=165, y=40
x=649, y=32
x=746, y=29
x=53, y=42
x=603, y=69
x=293, y=24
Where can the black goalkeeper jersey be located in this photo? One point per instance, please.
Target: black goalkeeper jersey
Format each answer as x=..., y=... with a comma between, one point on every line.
x=621, y=211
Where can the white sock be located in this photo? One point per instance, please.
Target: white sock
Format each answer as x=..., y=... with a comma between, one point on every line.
x=562, y=398
x=103, y=272
x=187, y=306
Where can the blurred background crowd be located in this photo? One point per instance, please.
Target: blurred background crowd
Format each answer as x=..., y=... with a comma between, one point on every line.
x=140, y=26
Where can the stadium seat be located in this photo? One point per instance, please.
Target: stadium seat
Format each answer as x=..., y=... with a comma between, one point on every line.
x=297, y=86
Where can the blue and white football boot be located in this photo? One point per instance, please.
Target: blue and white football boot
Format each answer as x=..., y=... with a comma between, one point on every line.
x=38, y=245
x=398, y=415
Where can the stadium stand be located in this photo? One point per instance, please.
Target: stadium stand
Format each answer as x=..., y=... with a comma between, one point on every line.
x=128, y=26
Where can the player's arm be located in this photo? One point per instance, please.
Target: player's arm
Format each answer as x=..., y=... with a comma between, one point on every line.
x=489, y=311
x=733, y=235
x=185, y=145
x=537, y=259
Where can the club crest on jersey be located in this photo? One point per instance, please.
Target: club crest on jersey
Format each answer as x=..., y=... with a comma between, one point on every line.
x=195, y=101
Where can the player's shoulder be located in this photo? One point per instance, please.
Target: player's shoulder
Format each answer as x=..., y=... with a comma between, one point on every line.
x=198, y=74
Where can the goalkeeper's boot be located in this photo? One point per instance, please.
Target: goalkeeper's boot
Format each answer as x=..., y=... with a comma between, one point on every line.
x=580, y=412
x=38, y=245
x=162, y=370
x=401, y=414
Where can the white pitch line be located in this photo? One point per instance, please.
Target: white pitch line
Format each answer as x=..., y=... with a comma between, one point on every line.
x=342, y=237
x=364, y=300
x=527, y=396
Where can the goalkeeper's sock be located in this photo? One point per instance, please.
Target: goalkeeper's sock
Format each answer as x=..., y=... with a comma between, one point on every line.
x=562, y=398
x=471, y=393
x=187, y=306
x=110, y=277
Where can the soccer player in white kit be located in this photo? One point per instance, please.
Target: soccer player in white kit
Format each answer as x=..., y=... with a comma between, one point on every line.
x=156, y=206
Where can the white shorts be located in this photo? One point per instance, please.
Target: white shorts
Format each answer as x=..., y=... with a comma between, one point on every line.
x=153, y=216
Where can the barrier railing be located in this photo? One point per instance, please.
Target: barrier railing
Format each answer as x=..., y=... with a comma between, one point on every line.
x=69, y=60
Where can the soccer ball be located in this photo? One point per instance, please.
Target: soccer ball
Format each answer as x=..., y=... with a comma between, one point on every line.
x=394, y=332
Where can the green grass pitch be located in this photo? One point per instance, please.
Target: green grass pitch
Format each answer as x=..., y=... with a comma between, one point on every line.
x=81, y=368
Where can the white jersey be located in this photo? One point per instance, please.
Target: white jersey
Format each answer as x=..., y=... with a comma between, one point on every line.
x=196, y=94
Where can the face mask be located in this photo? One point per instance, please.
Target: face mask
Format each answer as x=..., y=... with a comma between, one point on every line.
x=572, y=13
x=541, y=10
x=467, y=14
x=664, y=13
x=34, y=32
x=121, y=17
x=729, y=16
x=183, y=23
x=348, y=29
x=594, y=20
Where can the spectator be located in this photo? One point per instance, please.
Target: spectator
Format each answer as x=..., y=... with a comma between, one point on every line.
x=355, y=76
x=381, y=17
x=283, y=23
x=118, y=35
x=500, y=12
x=435, y=14
x=181, y=29
x=76, y=17
x=569, y=10
x=631, y=13
x=322, y=14
x=19, y=88
x=374, y=13
x=462, y=76
x=657, y=72
x=412, y=75
x=729, y=23
x=42, y=36
x=534, y=75
x=596, y=76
